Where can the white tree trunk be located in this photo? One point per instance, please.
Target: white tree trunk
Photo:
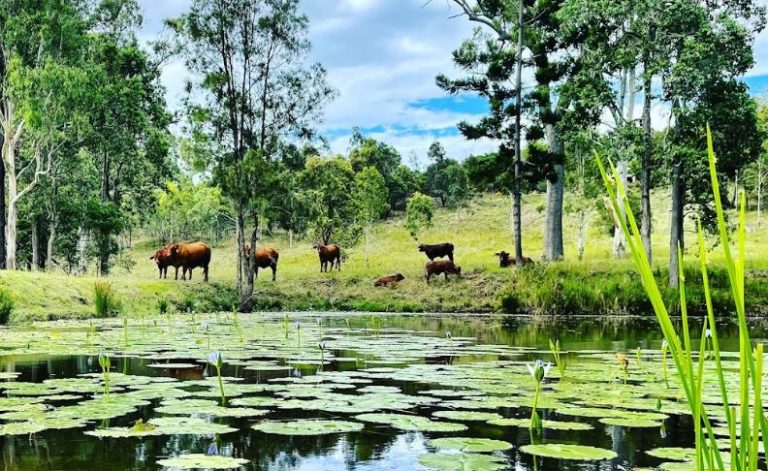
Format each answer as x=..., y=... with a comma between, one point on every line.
x=49, y=248
x=619, y=242
x=82, y=245
x=759, y=188
x=35, y=247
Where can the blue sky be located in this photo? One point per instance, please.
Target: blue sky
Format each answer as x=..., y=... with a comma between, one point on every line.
x=383, y=56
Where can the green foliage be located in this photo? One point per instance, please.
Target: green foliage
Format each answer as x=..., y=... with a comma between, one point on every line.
x=447, y=180
x=105, y=301
x=328, y=183
x=187, y=211
x=370, y=196
x=162, y=305
x=418, y=214
x=6, y=306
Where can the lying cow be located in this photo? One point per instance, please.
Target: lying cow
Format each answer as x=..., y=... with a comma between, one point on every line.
x=389, y=281
x=441, y=267
x=266, y=257
x=329, y=254
x=507, y=260
x=437, y=250
x=191, y=256
x=163, y=259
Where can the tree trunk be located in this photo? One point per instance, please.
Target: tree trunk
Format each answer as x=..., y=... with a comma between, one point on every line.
x=619, y=241
x=2, y=207
x=581, y=242
x=632, y=95
x=645, y=223
x=35, y=247
x=553, y=227
x=759, y=188
x=49, y=249
x=82, y=246
x=246, y=297
x=676, y=219
x=241, y=258
x=12, y=210
x=518, y=150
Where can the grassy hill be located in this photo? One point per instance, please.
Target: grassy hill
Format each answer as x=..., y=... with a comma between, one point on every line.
x=597, y=284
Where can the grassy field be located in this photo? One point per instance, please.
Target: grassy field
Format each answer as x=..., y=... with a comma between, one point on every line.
x=598, y=284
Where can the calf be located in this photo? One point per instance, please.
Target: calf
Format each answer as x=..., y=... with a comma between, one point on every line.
x=437, y=250
x=329, y=254
x=191, y=256
x=265, y=257
x=163, y=259
x=389, y=281
x=506, y=260
x=444, y=267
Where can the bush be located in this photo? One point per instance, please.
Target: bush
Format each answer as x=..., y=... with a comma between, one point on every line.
x=6, y=306
x=186, y=304
x=105, y=300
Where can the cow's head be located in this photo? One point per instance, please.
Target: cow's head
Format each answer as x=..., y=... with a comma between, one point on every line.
x=458, y=270
x=421, y=248
x=399, y=277
x=503, y=256
x=174, y=250
x=319, y=247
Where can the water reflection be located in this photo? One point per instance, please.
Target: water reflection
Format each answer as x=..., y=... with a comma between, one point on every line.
x=377, y=447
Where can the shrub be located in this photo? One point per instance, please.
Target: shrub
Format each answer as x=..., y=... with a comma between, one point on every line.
x=186, y=304
x=162, y=305
x=6, y=306
x=105, y=300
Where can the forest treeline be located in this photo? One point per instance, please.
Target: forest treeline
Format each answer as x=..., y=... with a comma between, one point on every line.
x=93, y=157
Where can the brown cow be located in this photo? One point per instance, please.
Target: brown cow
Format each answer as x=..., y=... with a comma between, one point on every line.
x=163, y=259
x=443, y=267
x=191, y=256
x=389, y=281
x=328, y=254
x=266, y=257
x=506, y=260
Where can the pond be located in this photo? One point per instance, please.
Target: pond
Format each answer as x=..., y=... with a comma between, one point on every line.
x=345, y=392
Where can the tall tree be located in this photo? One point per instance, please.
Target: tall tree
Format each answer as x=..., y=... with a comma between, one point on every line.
x=253, y=90
x=369, y=198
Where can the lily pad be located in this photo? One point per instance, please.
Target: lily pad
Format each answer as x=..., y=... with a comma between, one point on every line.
x=569, y=452
x=673, y=453
x=200, y=461
x=548, y=424
x=308, y=427
x=461, y=462
x=411, y=423
x=467, y=416
x=630, y=422
x=470, y=445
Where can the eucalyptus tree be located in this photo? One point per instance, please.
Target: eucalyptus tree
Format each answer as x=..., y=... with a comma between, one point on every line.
x=253, y=90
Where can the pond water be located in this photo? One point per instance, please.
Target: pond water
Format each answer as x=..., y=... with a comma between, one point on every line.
x=383, y=392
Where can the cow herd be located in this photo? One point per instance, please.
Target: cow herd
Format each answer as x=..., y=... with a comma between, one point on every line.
x=198, y=254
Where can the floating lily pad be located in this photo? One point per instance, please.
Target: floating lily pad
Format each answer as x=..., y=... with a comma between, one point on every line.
x=547, y=424
x=461, y=462
x=470, y=445
x=308, y=427
x=569, y=452
x=200, y=461
x=630, y=422
x=412, y=423
x=673, y=453
x=467, y=416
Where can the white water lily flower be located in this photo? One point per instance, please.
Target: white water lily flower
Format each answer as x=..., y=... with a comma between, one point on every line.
x=539, y=370
x=214, y=358
x=296, y=325
x=708, y=333
x=664, y=344
x=321, y=345
x=204, y=325
x=448, y=335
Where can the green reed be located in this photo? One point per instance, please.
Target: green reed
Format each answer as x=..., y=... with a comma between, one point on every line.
x=744, y=442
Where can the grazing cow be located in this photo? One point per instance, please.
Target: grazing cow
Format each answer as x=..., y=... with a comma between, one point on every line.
x=507, y=260
x=191, y=256
x=266, y=257
x=444, y=267
x=437, y=250
x=163, y=259
x=328, y=254
x=389, y=281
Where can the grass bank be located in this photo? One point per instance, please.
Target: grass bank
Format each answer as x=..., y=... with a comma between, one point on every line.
x=599, y=284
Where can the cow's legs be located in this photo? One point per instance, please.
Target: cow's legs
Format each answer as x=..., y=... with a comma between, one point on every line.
x=205, y=273
x=274, y=272
x=446, y=276
x=177, y=273
x=450, y=257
